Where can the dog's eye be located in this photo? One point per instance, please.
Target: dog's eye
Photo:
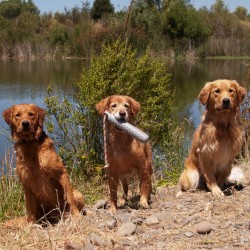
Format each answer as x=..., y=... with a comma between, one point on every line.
x=126, y=105
x=231, y=90
x=31, y=114
x=217, y=91
x=113, y=105
x=18, y=115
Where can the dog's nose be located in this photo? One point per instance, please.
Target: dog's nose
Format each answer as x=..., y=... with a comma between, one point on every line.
x=122, y=113
x=25, y=124
x=226, y=102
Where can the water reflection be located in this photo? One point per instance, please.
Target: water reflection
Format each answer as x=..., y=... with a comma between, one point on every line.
x=188, y=79
x=26, y=82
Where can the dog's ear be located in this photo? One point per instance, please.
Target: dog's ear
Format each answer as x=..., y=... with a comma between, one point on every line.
x=103, y=105
x=204, y=93
x=41, y=116
x=135, y=106
x=241, y=92
x=7, y=115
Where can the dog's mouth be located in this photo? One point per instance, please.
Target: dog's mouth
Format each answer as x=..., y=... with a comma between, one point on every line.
x=118, y=129
x=223, y=109
x=120, y=120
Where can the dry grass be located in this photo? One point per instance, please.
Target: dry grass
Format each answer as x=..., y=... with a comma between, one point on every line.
x=73, y=231
x=229, y=218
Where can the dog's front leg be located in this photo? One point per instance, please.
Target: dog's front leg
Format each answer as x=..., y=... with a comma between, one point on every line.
x=31, y=206
x=145, y=188
x=113, y=181
x=212, y=182
x=68, y=193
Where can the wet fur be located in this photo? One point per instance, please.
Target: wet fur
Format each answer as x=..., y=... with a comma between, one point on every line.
x=217, y=140
x=48, y=191
x=125, y=155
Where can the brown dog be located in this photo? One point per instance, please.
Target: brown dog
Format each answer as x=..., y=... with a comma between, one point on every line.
x=47, y=189
x=125, y=154
x=218, y=139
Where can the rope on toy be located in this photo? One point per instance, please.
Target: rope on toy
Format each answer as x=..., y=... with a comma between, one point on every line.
x=105, y=140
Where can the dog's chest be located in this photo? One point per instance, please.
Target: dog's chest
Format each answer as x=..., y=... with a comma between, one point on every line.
x=127, y=160
x=33, y=176
x=221, y=146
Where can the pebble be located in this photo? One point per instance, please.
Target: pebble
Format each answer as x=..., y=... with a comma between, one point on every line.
x=96, y=240
x=189, y=234
x=100, y=204
x=204, y=227
x=72, y=246
x=127, y=229
x=124, y=217
x=152, y=220
x=111, y=224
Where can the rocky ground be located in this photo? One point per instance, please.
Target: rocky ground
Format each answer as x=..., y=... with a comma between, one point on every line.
x=192, y=221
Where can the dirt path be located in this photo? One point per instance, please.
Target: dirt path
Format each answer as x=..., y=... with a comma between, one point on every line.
x=170, y=223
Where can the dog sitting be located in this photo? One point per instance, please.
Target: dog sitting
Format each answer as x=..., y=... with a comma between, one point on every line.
x=217, y=140
x=125, y=154
x=47, y=189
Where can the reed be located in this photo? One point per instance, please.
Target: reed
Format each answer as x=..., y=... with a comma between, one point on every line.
x=11, y=194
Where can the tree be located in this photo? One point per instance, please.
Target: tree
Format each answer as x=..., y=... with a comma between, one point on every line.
x=219, y=6
x=241, y=12
x=183, y=22
x=13, y=8
x=100, y=8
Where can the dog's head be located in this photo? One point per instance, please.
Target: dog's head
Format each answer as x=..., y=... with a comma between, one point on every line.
x=222, y=95
x=25, y=121
x=122, y=107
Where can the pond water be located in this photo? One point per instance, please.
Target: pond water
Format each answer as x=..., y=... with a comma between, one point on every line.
x=27, y=82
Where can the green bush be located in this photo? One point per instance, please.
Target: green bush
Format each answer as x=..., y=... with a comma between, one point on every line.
x=117, y=70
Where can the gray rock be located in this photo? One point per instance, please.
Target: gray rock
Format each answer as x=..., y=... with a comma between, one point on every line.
x=111, y=224
x=204, y=227
x=152, y=220
x=189, y=234
x=100, y=204
x=124, y=217
x=127, y=229
x=96, y=240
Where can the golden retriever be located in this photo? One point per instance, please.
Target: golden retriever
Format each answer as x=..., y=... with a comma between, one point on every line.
x=125, y=154
x=47, y=189
x=217, y=140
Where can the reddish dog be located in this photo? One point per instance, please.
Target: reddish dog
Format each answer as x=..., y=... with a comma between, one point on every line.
x=125, y=154
x=218, y=139
x=47, y=189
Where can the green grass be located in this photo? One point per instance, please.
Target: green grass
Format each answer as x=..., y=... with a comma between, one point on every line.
x=11, y=193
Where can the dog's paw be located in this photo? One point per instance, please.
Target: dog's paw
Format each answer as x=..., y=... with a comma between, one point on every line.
x=216, y=191
x=236, y=176
x=143, y=202
x=112, y=207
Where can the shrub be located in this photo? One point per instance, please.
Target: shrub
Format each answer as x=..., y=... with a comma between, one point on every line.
x=117, y=70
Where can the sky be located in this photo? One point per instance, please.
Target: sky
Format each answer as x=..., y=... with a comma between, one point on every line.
x=58, y=5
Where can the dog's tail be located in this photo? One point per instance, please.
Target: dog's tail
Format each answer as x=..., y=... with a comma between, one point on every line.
x=236, y=177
